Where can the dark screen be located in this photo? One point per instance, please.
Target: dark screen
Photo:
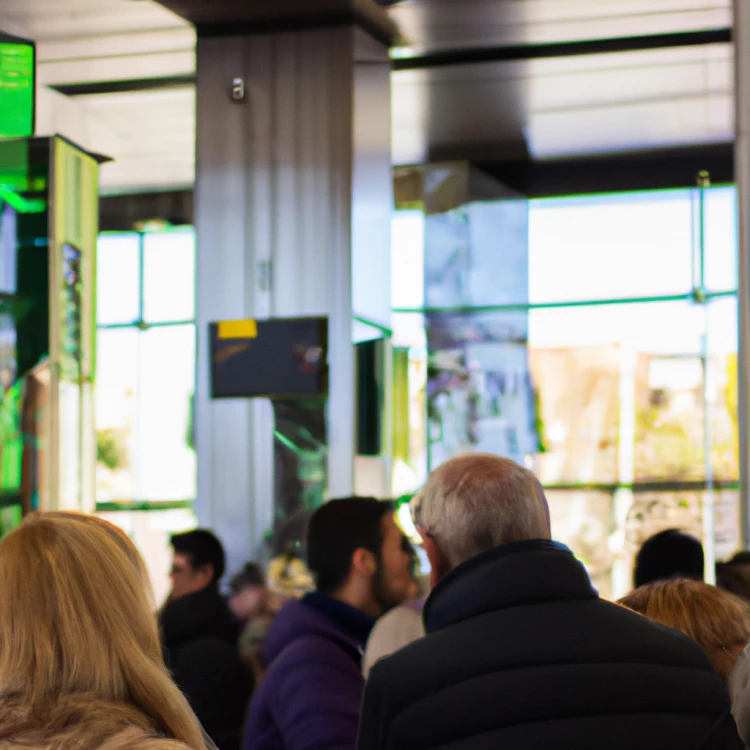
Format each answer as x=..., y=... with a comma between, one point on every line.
x=286, y=358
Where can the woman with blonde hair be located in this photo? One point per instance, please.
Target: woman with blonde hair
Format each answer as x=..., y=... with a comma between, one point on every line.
x=80, y=660
x=717, y=620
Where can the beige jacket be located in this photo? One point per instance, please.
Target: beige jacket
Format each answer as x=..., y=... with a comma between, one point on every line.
x=400, y=627
x=80, y=723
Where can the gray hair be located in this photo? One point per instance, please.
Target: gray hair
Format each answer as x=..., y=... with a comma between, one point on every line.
x=476, y=502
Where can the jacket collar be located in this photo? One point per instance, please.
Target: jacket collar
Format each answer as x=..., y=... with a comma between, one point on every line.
x=528, y=572
x=355, y=624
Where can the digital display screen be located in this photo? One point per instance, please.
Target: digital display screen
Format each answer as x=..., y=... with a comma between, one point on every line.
x=283, y=358
x=16, y=89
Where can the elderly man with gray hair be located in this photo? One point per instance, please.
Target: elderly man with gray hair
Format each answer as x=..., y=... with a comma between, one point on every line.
x=521, y=653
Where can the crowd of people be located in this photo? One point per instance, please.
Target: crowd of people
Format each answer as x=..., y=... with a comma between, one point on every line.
x=511, y=648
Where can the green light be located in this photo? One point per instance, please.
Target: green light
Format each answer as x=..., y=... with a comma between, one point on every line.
x=16, y=90
x=21, y=204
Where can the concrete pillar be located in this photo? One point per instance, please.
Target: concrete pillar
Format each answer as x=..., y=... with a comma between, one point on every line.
x=293, y=205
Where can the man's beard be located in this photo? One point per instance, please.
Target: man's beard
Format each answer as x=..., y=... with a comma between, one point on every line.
x=382, y=593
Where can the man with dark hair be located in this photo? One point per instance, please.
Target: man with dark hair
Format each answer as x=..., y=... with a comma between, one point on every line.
x=312, y=693
x=198, y=562
x=200, y=636
x=670, y=554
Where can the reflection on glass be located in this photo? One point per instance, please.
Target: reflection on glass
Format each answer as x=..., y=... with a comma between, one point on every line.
x=610, y=247
x=150, y=531
x=117, y=278
x=166, y=460
x=168, y=277
x=477, y=255
x=116, y=413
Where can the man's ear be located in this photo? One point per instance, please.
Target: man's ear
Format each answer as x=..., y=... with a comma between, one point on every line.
x=206, y=573
x=439, y=563
x=363, y=561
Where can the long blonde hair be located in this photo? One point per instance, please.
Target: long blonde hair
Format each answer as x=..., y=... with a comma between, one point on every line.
x=717, y=620
x=76, y=619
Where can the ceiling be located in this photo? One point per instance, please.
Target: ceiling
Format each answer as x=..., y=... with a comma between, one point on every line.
x=507, y=62
x=446, y=24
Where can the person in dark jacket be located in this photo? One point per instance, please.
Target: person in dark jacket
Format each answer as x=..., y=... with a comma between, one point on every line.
x=311, y=696
x=200, y=634
x=521, y=654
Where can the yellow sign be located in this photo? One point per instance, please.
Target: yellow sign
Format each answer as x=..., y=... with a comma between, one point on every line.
x=238, y=329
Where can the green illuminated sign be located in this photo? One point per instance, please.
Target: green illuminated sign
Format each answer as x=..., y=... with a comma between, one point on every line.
x=16, y=90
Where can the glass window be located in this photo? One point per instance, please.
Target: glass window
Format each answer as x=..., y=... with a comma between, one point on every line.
x=116, y=413
x=629, y=395
x=146, y=370
x=118, y=278
x=168, y=277
x=610, y=247
x=582, y=520
x=720, y=239
x=150, y=531
x=407, y=260
x=722, y=388
x=166, y=460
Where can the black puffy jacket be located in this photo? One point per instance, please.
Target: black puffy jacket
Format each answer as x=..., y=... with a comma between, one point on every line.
x=199, y=636
x=523, y=655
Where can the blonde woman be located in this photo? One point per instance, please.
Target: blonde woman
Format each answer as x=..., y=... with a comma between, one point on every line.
x=717, y=620
x=80, y=660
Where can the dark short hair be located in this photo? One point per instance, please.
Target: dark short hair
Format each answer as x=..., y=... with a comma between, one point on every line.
x=251, y=575
x=201, y=547
x=336, y=531
x=670, y=554
x=740, y=558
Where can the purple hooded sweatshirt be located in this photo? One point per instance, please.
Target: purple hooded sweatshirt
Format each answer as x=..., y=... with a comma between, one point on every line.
x=311, y=696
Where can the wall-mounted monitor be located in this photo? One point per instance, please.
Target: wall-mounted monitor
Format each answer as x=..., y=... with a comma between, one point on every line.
x=275, y=358
x=17, y=87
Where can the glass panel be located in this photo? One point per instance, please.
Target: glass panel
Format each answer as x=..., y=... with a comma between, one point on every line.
x=583, y=521
x=151, y=530
x=477, y=255
x=116, y=413
x=407, y=259
x=653, y=512
x=409, y=330
x=166, y=459
x=595, y=384
x=726, y=525
x=118, y=278
x=658, y=327
x=586, y=521
x=610, y=247
x=168, y=277
x=578, y=411
x=669, y=430
x=480, y=396
x=721, y=389
x=720, y=239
